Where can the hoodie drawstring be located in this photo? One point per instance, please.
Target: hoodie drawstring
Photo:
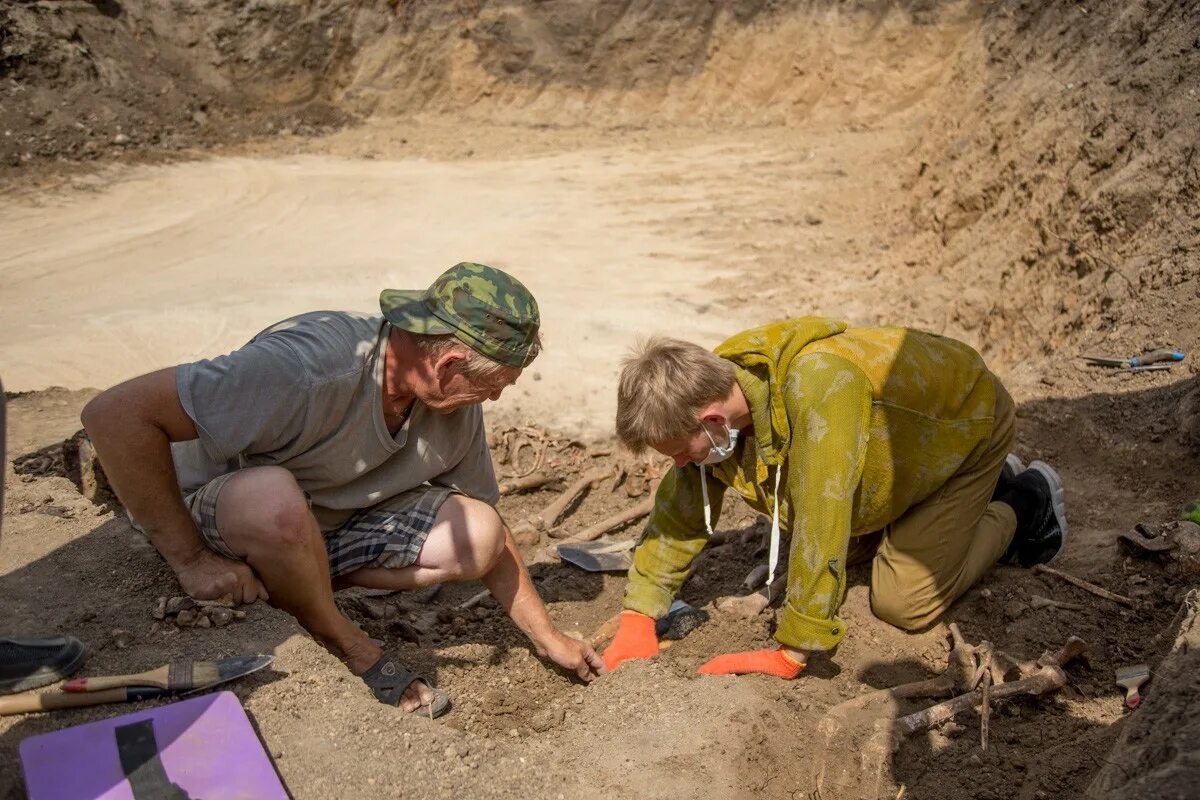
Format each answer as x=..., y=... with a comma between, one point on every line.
x=707, y=510
x=773, y=554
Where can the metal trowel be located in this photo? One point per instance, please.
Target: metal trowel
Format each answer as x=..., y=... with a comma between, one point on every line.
x=598, y=556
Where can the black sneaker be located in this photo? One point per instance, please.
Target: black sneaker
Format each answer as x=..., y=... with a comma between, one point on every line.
x=1036, y=495
x=29, y=663
x=1013, y=466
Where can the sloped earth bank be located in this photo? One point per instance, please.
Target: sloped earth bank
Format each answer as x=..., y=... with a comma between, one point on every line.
x=1021, y=175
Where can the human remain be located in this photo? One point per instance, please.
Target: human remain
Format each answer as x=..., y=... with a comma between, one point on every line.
x=334, y=450
x=884, y=443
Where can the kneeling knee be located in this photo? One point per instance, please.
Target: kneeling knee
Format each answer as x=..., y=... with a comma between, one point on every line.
x=480, y=536
x=895, y=611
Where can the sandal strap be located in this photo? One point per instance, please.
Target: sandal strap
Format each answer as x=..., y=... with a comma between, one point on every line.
x=388, y=680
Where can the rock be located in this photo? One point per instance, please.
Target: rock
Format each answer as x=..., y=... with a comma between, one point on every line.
x=953, y=729
x=812, y=219
x=121, y=638
x=548, y=719
x=186, y=618
x=202, y=621
x=160, y=609
x=745, y=607
x=220, y=616
x=120, y=139
x=1187, y=546
x=1013, y=609
x=974, y=760
x=178, y=604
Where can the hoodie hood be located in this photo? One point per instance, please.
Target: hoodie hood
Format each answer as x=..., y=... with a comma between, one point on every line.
x=762, y=357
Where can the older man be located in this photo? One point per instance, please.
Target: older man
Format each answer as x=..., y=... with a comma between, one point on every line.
x=343, y=445
x=880, y=443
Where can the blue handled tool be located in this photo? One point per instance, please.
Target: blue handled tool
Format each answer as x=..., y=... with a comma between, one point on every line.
x=1156, y=356
x=1138, y=362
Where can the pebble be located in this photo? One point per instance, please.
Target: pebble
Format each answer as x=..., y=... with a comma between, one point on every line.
x=974, y=760
x=120, y=139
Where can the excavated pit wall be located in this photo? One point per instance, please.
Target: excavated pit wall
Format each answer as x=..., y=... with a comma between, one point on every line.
x=1053, y=179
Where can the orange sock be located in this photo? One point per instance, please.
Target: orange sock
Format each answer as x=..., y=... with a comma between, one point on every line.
x=767, y=662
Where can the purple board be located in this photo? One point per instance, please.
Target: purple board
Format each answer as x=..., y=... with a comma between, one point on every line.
x=203, y=748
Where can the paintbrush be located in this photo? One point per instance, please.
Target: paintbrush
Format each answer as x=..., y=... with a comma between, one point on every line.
x=1131, y=679
x=177, y=676
x=141, y=686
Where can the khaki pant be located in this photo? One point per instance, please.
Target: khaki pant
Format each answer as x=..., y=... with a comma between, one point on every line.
x=930, y=556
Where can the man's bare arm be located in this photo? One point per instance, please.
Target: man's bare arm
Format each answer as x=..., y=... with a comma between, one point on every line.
x=132, y=426
x=510, y=584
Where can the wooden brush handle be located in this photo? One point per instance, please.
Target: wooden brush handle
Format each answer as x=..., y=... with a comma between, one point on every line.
x=49, y=701
x=99, y=683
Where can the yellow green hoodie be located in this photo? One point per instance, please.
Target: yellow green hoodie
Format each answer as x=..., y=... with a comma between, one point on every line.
x=861, y=423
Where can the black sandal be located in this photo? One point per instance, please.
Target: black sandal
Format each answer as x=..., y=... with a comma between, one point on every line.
x=388, y=680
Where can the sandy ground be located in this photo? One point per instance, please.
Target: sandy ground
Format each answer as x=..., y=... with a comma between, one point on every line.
x=684, y=232
x=1018, y=175
x=169, y=264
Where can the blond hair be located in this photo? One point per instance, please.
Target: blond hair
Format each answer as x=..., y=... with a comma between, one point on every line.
x=664, y=384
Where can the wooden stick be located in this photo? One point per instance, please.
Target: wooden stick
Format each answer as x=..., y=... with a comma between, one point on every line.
x=985, y=710
x=958, y=670
x=621, y=518
x=534, y=480
x=474, y=600
x=1087, y=586
x=1037, y=601
x=31, y=703
x=526, y=530
x=1048, y=678
x=606, y=631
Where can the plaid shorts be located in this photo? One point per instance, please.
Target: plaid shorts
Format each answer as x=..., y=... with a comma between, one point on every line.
x=390, y=534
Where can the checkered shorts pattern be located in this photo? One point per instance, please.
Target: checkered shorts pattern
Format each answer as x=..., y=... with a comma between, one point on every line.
x=390, y=534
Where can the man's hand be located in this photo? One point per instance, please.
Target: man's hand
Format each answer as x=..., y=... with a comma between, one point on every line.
x=777, y=662
x=635, y=639
x=572, y=654
x=208, y=576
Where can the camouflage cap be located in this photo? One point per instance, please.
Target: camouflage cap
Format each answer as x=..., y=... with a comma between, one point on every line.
x=488, y=309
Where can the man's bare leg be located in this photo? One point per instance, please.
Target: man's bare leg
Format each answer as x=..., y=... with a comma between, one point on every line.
x=469, y=540
x=464, y=543
x=264, y=518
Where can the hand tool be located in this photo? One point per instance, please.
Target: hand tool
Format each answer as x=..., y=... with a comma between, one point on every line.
x=189, y=677
x=1130, y=679
x=1138, y=362
x=599, y=556
x=178, y=676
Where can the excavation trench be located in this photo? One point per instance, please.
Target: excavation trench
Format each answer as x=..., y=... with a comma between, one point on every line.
x=1017, y=175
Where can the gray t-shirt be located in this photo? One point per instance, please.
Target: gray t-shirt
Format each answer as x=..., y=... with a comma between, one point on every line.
x=306, y=395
